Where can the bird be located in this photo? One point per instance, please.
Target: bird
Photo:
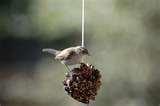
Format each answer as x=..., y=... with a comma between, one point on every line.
x=68, y=56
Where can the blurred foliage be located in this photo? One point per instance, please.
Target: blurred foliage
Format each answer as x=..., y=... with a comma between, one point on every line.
x=122, y=36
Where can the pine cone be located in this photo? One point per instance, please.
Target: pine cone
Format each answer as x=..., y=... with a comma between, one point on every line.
x=83, y=83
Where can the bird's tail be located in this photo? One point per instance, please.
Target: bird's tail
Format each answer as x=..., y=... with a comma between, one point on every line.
x=51, y=51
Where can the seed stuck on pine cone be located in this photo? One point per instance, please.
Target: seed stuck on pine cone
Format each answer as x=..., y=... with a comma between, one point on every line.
x=83, y=83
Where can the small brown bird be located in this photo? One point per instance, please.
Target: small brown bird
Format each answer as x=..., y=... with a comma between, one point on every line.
x=69, y=56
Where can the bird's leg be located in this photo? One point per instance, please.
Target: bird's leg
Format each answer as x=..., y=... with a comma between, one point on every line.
x=67, y=67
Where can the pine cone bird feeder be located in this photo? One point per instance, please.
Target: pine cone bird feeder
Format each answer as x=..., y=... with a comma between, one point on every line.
x=83, y=83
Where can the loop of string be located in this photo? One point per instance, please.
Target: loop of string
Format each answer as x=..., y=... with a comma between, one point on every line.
x=83, y=21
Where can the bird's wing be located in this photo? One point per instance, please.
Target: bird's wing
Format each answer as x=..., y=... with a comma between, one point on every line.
x=51, y=51
x=65, y=54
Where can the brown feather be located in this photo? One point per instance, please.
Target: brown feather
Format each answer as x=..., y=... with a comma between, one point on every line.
x=65, y=54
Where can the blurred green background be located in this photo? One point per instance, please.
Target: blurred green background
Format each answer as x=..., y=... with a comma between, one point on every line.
x=123, y=37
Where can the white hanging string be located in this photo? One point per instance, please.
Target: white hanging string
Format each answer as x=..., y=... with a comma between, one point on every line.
x=83, y=21
x=83, y=24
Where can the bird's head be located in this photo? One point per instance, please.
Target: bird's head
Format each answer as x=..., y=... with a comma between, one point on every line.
x=83, y=50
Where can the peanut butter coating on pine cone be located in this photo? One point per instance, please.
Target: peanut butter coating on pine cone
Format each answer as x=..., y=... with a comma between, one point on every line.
x=83, y=83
